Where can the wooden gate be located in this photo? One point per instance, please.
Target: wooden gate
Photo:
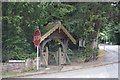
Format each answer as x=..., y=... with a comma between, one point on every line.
x=58, y=56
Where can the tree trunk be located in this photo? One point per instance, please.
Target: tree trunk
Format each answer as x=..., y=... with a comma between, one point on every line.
x=94, y=41
x=94, y=45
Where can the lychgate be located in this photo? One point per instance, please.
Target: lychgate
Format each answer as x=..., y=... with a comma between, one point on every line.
x=56, y=31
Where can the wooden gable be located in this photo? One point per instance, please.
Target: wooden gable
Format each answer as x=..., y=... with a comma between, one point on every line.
x=57, y=30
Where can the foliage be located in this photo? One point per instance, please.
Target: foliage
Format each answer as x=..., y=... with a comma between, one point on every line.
x=33, y=55
x=21, y=56
x=82, y=20
x=84, y=54
x=87, y=53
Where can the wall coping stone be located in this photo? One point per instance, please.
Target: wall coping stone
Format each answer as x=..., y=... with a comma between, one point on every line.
x=17, y=61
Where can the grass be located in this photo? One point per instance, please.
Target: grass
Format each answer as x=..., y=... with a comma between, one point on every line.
x=14, y=73
x=101, y=53
x=29, y=70
x=9, y=73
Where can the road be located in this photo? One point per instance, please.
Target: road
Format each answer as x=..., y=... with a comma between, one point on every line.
x=108, y=70
x=112, y=53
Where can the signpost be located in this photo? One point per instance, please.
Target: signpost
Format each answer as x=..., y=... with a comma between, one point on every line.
x=36, y=41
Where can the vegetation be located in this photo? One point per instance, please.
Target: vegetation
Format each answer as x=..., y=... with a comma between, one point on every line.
x=23, y=56
x=82, y=20
x=9, y=73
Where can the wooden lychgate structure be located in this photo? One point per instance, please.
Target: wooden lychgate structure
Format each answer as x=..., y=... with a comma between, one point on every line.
x=56, y=31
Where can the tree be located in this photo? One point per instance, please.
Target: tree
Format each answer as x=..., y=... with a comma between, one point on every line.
x=20, y=20
x=82, y=20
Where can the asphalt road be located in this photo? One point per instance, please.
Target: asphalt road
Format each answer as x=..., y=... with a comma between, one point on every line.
x=108, y=70
x=112, y=53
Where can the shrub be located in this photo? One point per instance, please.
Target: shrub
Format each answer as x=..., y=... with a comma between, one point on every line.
x=21, y=56
x=87, y=53
x=33, y=55
x=24, y=56
x=96, y=52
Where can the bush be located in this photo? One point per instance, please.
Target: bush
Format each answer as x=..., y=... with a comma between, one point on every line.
x=33, y=55
x=24, y=56
x=21, y=56
x=87, y=53
x=90, y=53
x=96, y=51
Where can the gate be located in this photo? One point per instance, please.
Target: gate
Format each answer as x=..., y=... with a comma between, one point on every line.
x=53, y=58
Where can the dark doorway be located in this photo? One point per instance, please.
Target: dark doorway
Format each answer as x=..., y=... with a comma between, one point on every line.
x=53, y=47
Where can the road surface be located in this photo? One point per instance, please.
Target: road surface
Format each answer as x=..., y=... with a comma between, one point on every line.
x=108, y=70
x=112, y=53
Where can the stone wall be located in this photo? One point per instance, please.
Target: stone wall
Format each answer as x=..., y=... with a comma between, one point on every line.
x=19, y=66
x=13, y=67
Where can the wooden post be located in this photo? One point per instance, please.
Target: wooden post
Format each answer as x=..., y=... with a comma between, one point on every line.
x=40, y=56
x=59, y=52
x=57, y=58
x=46, y=56
x=65, y=51
x=65, y=54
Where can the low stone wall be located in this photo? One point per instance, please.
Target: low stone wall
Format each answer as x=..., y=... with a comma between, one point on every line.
x=19, y=65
